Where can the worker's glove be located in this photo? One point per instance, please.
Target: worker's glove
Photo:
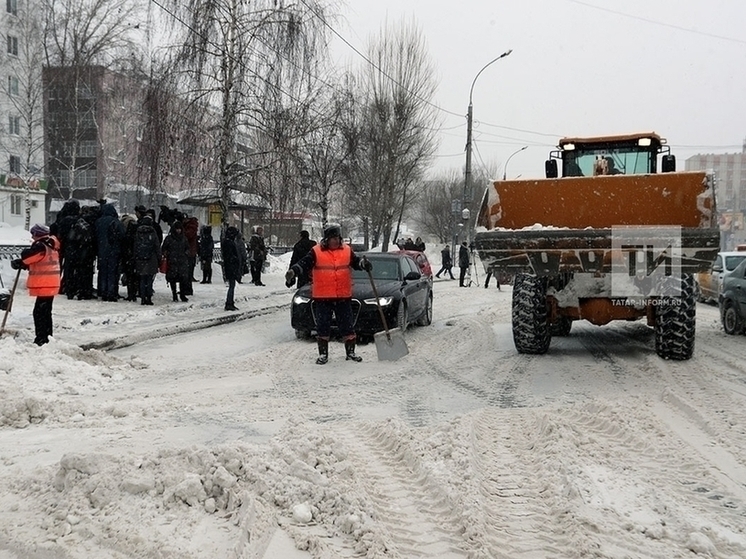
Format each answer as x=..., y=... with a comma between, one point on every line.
x=16, y=264
x=366, y=264
x=289, y=278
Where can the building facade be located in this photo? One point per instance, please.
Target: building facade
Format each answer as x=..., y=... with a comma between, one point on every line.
x=22, y=174
x=730, y=191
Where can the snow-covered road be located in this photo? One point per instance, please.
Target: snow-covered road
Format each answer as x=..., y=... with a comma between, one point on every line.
x=231, y=442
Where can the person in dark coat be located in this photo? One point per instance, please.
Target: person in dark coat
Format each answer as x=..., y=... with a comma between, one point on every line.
x=463, y=263
x=176, y=251
x=191, y=232
x=61, y=227
x=81, y=256
x=147, y=256
x=109, y=237
x=129, y=274
x=257, y=255
x=231, y=265
x=445, y=262
x=206, y=245
x=243, y=256
x=156, y=225
x=419, y=244
x=300, y=249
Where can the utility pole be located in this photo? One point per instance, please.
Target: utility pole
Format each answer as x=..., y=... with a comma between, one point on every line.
x=467, y=194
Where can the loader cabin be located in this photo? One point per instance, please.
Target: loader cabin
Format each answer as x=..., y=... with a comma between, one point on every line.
x=630, y=154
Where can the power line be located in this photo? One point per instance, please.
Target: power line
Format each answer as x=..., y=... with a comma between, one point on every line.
x=661, y=23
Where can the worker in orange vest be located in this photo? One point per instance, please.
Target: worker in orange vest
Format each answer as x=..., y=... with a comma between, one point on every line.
x=42, y=261
x=331, y=289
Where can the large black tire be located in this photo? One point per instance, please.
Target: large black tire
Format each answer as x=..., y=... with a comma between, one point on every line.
x=732, y=323
x=530, y=315
x=562, y=327
x=675, y=321
x=427, y=318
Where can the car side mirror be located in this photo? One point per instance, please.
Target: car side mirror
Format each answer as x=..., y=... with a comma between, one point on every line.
x=411, y=276
x=717, y=269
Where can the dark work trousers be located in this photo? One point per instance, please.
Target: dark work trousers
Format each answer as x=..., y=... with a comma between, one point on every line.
x=256, y=271
x=43, y=319
x=108, y=278
x=229, y=302
x=342, y=309
x=146, y=285
x=443, y=270
x=462, y=276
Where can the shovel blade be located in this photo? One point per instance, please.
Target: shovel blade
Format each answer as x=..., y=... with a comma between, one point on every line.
x=391, y=347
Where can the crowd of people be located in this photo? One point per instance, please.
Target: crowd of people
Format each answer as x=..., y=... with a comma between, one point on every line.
x=130, y=250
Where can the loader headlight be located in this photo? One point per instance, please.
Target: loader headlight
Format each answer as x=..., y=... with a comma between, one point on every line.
x=568, y=147
x=644, y=142
x=384, y=301
x=300, y=299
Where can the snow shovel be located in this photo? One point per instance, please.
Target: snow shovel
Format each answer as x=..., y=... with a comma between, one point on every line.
x=390, y=344
x=10, y=303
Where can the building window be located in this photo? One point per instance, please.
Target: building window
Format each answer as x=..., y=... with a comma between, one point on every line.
x=83, y=179
x=12, y=45
x=12, y=6
x=15, y=164
x=12, y=85
x=16, y=202
x=14, y=125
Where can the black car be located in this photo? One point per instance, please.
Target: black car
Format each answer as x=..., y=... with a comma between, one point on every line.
x=732, y=300
x=405, y=295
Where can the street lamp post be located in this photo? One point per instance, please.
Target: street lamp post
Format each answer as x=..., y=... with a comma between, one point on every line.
x=505, y=167
x=466, y=196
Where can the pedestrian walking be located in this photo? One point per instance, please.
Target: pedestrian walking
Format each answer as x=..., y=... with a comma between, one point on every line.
x=489, y=277
x=331, y=263
x=42, y=261
x=446, y=263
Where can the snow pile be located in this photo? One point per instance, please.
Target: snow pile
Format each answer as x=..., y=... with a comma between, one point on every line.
x=36, y=382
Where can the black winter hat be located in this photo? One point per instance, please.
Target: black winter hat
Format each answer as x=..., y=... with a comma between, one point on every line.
x=331, y=231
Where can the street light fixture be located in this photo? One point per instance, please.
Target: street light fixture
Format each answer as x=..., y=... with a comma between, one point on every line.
x=505, y=167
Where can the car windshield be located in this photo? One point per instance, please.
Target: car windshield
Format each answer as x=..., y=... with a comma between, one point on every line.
x=732, y=261
x=382, y=270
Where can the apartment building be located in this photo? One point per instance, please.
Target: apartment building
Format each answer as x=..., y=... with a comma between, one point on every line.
x=22, y=175
x=730, y=191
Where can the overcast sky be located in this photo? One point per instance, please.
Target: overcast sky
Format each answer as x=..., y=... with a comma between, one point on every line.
x=578, y=68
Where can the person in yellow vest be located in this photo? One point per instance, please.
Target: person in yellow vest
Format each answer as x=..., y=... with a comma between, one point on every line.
x=331, y=262
x=42, y=261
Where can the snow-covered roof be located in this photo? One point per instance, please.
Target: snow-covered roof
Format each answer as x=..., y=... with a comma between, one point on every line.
x=237, y=199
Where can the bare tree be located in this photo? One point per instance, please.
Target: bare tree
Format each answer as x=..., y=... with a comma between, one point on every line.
x=393, y=139
x=232, y=50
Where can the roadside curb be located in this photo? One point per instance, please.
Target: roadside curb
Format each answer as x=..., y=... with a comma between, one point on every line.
x=173, y=329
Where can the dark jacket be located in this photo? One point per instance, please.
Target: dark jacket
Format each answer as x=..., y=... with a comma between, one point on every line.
x=231, y=259
x=257, y=249
x=463, y=257
x=66, y=218
x=206, y=244
x=109, y=233
x=445, y=258
x=147, y=249
x=176, y=250
x=300, y=249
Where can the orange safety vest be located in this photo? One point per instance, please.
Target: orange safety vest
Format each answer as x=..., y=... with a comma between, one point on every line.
x=332, y=278
x=44, y=272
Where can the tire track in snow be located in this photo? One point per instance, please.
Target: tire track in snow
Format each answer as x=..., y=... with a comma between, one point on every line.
x=414, y=517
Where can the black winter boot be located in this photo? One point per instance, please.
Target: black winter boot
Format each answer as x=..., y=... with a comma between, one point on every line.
x=323, y=352
x=350, y=350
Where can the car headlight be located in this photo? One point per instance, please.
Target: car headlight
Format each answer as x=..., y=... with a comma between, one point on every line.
x=300, y=299
x=384, y=301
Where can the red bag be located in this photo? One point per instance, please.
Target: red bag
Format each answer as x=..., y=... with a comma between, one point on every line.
x=163, y=266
